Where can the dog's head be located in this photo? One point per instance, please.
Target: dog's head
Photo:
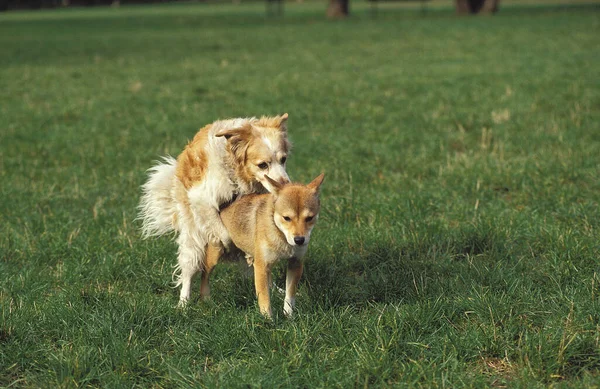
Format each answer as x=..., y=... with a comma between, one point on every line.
x=260, y=149
x=297, y=209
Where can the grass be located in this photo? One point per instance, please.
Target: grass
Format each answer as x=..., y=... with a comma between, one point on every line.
x=458, y=244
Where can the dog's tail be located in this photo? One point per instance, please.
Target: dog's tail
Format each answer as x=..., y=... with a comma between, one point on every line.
x=157, y=209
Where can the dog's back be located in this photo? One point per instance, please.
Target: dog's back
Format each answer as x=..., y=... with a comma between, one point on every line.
x=240, y=219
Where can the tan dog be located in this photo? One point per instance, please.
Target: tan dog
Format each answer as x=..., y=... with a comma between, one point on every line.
x=225, y=159
x=270, y=227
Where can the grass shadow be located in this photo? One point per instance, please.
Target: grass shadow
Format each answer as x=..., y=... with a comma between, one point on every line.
x=386, y=272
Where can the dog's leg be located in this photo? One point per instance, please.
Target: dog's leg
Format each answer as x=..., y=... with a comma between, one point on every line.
x=294, y=272
x=208, y=217
x=262, y=272
x=213, y=254
x=189, y=258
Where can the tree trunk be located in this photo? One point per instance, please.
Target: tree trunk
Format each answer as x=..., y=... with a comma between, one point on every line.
x=338, y=8
x=476, y=6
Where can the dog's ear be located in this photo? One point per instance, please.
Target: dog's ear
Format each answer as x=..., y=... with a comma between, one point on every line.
x=277, y=186
x=235, y=132
x=283, y=128
x=283, y=122
x=316, y=183
x=278, y=122
x=238, y=140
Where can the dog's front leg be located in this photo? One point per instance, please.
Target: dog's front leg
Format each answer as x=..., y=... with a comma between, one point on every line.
x=220, y=231
x=208, y=217
x=262, y=272
x=295, y=268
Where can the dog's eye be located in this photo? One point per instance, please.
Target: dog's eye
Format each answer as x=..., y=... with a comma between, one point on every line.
x=287, y=218
x=263, y=165
x=283, y=160
x=309, y=218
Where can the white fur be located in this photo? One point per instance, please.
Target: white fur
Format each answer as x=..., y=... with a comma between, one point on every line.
x=276, y=173
x=276, y=169
x=196, y=220
x=156, y=206
x=289, y=302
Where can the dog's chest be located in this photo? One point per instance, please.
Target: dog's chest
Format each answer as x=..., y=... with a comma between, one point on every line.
x=274, y=252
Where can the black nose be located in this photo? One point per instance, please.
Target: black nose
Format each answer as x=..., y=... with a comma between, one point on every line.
x=299, y=240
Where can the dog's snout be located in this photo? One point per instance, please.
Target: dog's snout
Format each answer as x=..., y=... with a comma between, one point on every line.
x=284, y=180
x=299, y=240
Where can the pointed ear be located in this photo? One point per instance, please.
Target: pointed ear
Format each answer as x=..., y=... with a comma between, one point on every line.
x=316, y=183
x=276, y=185
x=283, y=121
x=278, y=122
x=233, y=132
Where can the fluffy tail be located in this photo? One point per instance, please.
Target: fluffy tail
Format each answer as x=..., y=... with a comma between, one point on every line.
x=157, y=208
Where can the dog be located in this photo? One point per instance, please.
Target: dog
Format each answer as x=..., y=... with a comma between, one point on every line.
x=267, y=228
x=225, y=159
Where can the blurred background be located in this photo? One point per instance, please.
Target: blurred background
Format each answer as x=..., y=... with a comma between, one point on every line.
x=336, y=7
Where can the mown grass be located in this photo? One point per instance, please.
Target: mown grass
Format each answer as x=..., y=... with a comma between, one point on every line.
x=458, y=244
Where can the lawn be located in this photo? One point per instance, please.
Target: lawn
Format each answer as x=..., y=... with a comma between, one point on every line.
x=458, y=243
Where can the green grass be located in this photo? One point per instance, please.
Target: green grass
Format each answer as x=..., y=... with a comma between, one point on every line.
x=458, y=244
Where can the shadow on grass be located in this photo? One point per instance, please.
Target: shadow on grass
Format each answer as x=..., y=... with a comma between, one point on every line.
x=384, y=272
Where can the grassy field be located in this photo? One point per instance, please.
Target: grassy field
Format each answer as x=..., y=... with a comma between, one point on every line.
x=458, y=244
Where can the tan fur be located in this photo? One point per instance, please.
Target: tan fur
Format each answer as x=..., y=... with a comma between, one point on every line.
x=266, y=227
x=222, y=161
x=273, y=122
x=193, y=160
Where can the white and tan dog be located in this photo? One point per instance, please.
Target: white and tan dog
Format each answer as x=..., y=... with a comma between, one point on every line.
x=270, y=227
x=225, y=159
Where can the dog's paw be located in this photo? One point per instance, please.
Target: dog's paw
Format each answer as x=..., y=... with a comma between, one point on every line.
x=182, y=304
x=288, y=308
x=250, y=260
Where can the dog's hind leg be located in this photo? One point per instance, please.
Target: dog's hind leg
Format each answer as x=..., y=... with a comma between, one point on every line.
x=189, y=260
x=213, y=254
